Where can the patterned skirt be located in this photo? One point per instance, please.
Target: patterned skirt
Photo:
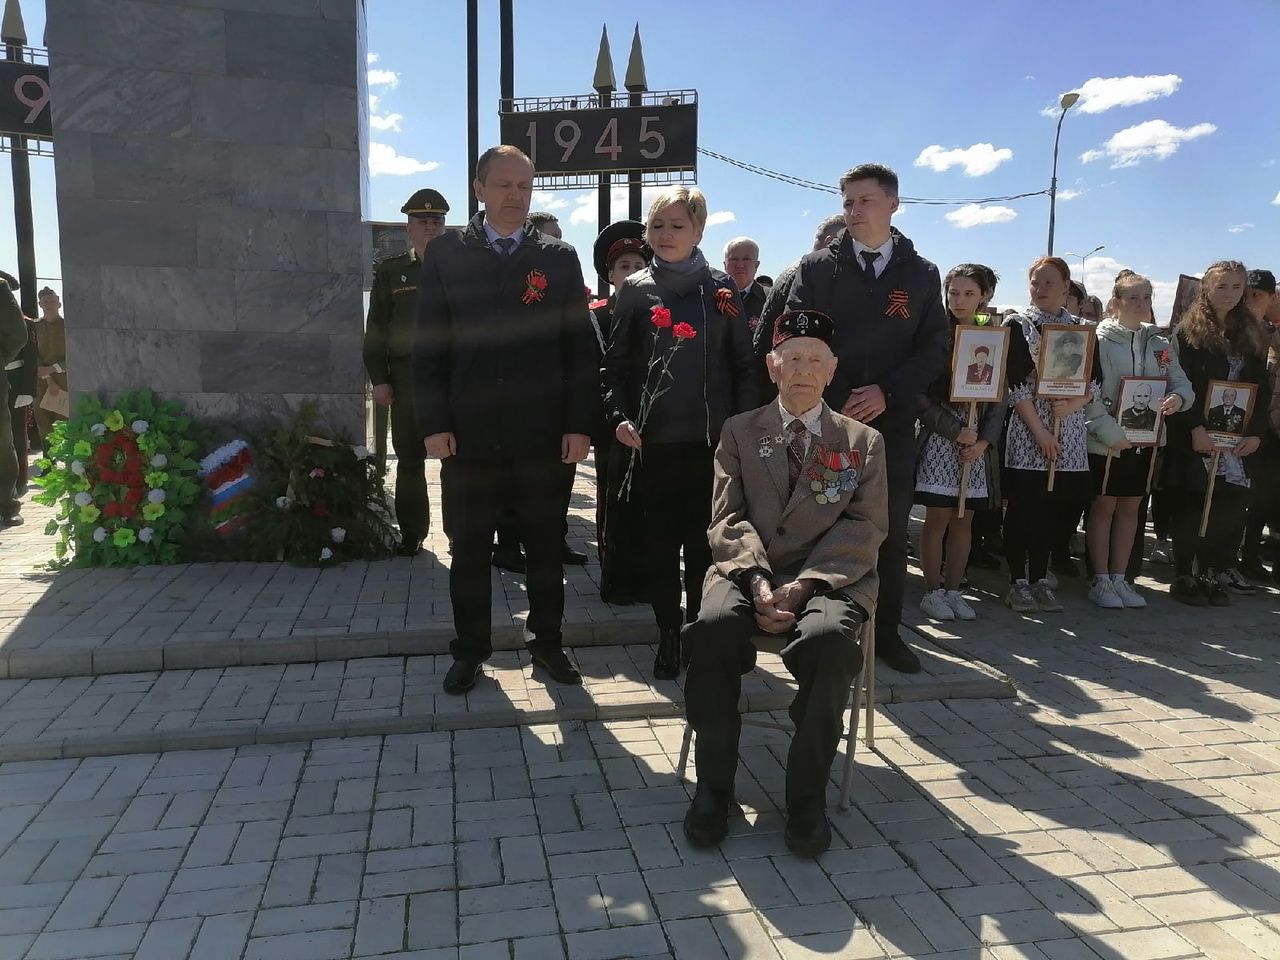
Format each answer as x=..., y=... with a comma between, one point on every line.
x=938, y=476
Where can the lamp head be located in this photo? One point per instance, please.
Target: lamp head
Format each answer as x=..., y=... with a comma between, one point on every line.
x=1068, y=100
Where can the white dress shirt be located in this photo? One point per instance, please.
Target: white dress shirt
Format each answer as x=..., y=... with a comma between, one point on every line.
x=811, y=419
x=885, y=250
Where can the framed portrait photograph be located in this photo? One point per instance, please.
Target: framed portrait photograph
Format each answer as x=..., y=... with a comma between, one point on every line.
x=1227, y=408
x=1138, y=408
x=1066, y=360
x=977, y=364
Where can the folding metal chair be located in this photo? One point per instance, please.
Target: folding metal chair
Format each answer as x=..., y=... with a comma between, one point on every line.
x=863, y=695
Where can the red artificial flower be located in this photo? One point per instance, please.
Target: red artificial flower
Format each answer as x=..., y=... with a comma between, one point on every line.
x=132, y=465
x=534, y=285
x=317, y=473
x=660, y=316
x=684, y=331
x=319, y=509
x=134, y=495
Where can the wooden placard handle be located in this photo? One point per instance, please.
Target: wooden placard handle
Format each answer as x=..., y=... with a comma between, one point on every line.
x=964, y=467
x=1208, y=494
x=1053, y=464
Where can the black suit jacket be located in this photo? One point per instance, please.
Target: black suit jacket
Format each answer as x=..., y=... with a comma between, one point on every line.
x=504, y=356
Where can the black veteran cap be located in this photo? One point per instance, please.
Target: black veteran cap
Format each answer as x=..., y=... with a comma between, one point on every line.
x=625, y=236
x=428, y=202
x=803, y=323
x=1263, y=280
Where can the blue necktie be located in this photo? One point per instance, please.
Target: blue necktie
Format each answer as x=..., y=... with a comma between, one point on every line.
x=505, y=245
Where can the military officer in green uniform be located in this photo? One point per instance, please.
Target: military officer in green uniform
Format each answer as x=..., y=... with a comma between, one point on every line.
x=388, y=341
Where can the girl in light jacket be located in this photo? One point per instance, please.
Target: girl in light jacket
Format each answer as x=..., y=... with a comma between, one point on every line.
x=1128, y=346
x=944, y=444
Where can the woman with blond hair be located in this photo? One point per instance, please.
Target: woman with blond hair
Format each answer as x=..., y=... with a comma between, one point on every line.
x=678, y=336
x=1218, y=339
x=1128, y=346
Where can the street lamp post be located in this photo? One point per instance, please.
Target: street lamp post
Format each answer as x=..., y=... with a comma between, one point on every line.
x=1067, y=102
x=1085, y=256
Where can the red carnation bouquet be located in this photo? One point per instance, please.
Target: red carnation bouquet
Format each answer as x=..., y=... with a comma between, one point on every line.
x=660, y=318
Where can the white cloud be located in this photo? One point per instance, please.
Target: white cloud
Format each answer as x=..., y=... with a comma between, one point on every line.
x=384, y=78
x=1239, y=227
x=586, y=204
x=373, y=102
x=391, y=122
x=548, y=200
x=383, y=159
x=721, y=216
x=371, y=58
x=1099, y=94
x=1157, y=139
x=1070, y=194
x=1276, y=201
x=974, y=214
x=1100, y=276
x=979, y=159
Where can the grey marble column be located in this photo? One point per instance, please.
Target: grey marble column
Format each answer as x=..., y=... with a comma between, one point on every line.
x=211, y=184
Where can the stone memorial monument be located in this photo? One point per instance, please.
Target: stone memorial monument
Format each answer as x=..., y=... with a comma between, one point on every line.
x=211, y=185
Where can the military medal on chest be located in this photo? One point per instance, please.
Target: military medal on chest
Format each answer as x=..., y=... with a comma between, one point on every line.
x=834, y=472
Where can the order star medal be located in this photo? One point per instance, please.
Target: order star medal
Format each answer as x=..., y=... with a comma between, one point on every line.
x=766, y=448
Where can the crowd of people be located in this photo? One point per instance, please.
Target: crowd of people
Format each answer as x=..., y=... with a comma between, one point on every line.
x=33, y=390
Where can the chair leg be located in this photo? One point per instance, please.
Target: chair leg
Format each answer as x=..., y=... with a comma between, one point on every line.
x=869, y=674
x=851, y=743
x=684, y=753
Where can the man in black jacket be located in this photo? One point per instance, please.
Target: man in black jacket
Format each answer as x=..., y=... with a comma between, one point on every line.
x=891, y=338
x=505, y=389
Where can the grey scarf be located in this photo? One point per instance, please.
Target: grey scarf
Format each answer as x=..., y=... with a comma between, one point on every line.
x=683, y=276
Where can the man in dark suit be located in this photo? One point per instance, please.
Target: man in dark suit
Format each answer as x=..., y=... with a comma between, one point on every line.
x=892, y=339
x=797, y=522
x=741, y=261
x=1226, y=416
x=505, y=369
x=1140, y=415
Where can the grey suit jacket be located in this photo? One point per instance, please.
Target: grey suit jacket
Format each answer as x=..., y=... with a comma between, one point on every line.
x=754, y=523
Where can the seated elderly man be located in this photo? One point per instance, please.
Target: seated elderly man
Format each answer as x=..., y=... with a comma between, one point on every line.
x=800, y=509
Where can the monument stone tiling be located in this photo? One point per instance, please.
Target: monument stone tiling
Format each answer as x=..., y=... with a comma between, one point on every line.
x=211, y=206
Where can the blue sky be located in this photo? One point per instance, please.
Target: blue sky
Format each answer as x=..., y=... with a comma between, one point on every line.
x=1170, y=160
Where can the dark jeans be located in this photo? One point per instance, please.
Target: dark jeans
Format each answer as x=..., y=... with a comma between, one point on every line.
x=892, y=562
x=1036, y=517
x=477, y=490
x=673, y=482
x=413, y=509
x=822, y=654
x=1216, y=550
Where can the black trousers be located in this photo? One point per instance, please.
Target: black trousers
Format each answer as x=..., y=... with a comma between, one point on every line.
x=1037, y=516
x=413, y=509
x=892, y=562
x=673, y=482
x=822, y=654
x=477, y=490
x=1216, y=550
x=1264, y=504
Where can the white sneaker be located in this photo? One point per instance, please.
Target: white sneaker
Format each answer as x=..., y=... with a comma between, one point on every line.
x=1237, y=582
x=935, y=607
x=1045, y=598
x=1019, y=598
x=960, y=606
x=1103, y=594
x=1127, y=593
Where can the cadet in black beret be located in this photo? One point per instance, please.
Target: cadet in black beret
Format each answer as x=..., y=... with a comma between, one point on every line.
x=388, y=339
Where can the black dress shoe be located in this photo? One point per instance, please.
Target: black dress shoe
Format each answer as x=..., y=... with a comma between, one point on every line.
x=808, y=834
x=409, y=548
x=511, y=561
x=707, y=821
x=1188, y=590
x=1215, y=591
x=896, y=654
x=666, y=663
x=461, y=676
x=555, y=662
x=13, y=521
x=573, y=558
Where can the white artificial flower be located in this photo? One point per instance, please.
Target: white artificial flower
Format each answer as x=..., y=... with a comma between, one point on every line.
x=83, y=498
x=338, y=534
x=284, y=503
x=99, y=534
x=156, y=496
x=326, y=554
x=140, y=426
x=98, y=429
x=159, y=461
x=77, y=468
x=145, y=534
x=362, y=453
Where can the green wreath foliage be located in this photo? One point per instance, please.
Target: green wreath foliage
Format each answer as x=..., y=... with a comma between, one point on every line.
x=122, y=480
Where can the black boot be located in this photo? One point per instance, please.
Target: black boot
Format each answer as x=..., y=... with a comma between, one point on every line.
x=707, y=821
x=666, y=664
